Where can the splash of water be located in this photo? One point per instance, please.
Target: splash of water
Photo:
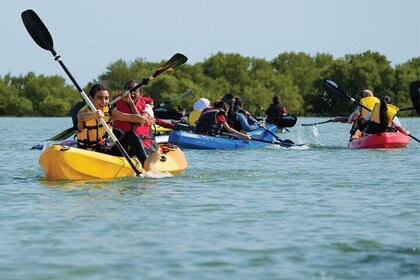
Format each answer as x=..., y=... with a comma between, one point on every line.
x=156, y=174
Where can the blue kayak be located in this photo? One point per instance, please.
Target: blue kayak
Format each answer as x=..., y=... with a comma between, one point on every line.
x=190, y=140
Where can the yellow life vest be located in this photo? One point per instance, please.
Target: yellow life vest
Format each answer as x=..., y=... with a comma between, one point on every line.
x=391, y=112
x=368, y=102
x=93, y=134
x=194, y=116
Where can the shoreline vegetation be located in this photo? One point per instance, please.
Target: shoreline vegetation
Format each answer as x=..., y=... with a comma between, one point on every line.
x=296, y=77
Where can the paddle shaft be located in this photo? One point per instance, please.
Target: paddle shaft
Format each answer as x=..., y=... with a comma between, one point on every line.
x=287, y=145
x=145, y=81
x=336, y=119
x=175, y=61
x=253, y=139
x=312, y=124
x=266, y=129
x=163, y=104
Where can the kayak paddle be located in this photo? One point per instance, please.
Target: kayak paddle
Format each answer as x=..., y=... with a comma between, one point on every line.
x=336, y=119
x=174, y=62
x=42, y=37
x=284, y=143
x=163, y=104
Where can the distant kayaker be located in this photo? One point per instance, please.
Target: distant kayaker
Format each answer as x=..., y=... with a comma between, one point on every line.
x=92, y=135
x=368, y=100
x=276, y=111
x=240, y=117
x=213, y=120
x=383, y=118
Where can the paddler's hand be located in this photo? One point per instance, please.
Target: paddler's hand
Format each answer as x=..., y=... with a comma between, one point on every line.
x=99, y=114
x=128, y=98
x=247, y=138
x=150, y=121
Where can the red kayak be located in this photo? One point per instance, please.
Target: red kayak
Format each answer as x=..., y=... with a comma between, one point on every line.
x=383, y=140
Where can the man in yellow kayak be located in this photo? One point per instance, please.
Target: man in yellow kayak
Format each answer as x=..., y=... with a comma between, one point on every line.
x=135, y=103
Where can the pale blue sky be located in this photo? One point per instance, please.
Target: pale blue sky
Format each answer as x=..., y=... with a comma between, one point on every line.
x=91, y=34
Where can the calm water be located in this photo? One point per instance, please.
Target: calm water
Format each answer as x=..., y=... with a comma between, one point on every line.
x=327, y=212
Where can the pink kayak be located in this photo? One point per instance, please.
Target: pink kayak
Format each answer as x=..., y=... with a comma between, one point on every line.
x=383, y=140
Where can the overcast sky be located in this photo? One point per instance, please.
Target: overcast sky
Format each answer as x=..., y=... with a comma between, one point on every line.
x=91, y=34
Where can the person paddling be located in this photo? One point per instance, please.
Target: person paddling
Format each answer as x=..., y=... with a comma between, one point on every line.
x=276, y=111
x=383, y=118
x=213, y=120
x=368, y=100
x=91, y=135
x=135, y=103
x=240, y=117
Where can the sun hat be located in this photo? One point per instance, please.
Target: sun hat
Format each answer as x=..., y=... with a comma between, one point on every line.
x=201, y=104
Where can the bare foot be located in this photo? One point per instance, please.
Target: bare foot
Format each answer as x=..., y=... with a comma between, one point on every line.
x=150, y=162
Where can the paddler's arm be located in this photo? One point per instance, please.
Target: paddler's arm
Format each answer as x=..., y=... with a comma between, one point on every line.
x=234, y=131
x=135, y=118
x=83, y=117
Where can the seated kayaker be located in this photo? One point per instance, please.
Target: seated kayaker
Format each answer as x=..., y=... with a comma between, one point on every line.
x=383, y=118
x=92, y=135
x=213, y=120
x=276, y=111
x=198, y=107
x=135, y=103
x=368, y=100
x=240, y=117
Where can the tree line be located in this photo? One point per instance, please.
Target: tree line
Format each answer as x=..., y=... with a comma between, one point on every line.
x=296, y=77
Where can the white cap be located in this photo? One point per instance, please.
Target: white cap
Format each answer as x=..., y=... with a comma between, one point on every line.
x=367, y=93
x=201, y=104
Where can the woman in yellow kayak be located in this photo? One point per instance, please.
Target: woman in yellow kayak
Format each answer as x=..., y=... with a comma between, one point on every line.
x=92, y=135
x=383, y=118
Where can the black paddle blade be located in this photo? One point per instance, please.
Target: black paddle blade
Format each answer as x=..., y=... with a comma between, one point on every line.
x=287, y=143
x=287, y=121
x=415, y=95
x=37, y=30
x=173, y=63
x=63, y=135
x=331, y=87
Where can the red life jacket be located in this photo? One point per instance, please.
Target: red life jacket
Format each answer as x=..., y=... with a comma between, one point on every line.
x=143, y=131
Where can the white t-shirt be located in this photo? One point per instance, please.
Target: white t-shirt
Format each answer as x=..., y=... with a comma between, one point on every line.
x=149, y=110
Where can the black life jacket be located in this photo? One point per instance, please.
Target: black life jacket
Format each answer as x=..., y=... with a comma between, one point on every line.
x=275, y=113
x=237, y=124
x=207, y=124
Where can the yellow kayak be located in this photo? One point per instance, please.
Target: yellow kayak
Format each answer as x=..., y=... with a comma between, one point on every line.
x=69, y=163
